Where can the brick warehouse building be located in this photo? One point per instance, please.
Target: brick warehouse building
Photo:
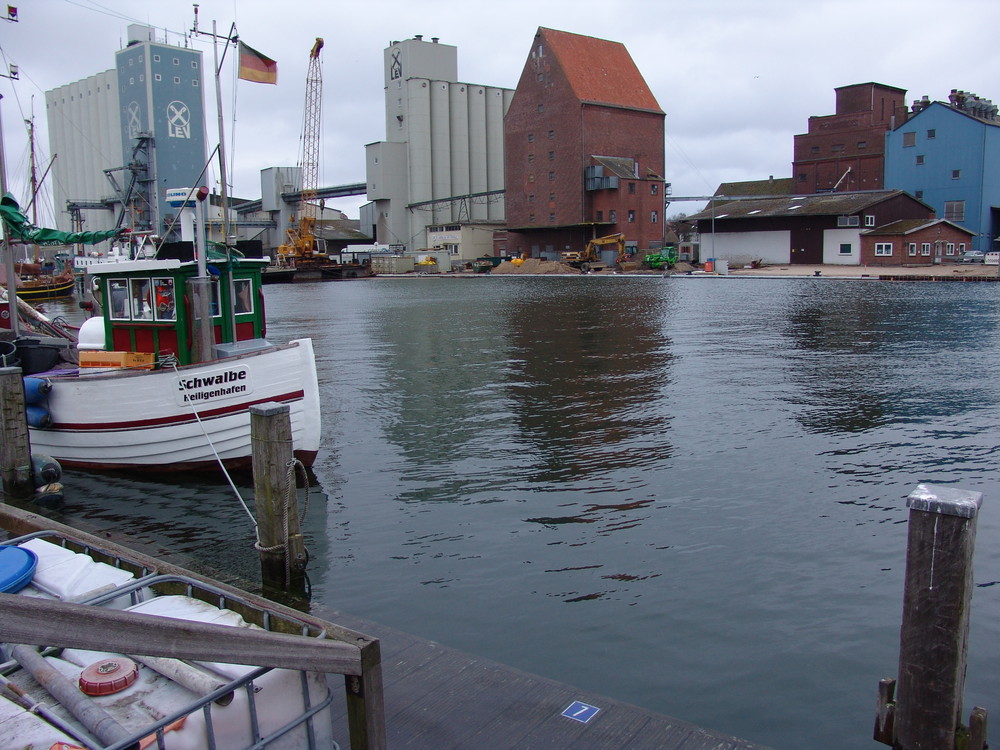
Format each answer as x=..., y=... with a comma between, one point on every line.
x=844, y=152
x=583, y=149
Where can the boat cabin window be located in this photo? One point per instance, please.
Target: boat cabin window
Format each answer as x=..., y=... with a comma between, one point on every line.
x=118, y=292
x=244, y=296
x=142, y=300
x=216, y=309
x=165, y=303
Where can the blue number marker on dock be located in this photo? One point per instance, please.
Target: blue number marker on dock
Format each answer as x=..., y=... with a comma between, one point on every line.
x=581, y=712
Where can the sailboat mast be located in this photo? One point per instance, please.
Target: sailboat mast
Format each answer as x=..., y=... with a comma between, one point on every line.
x=8, y=254
x=34, y=176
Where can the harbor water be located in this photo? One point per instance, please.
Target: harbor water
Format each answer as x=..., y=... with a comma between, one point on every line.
x=688, y=494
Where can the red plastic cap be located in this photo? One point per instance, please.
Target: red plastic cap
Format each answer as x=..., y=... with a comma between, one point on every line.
x=109, y=676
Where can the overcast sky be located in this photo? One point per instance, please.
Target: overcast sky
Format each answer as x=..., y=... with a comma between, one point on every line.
x=736, y=78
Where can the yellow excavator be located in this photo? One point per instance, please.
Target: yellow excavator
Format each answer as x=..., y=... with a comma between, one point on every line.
x=590, y=258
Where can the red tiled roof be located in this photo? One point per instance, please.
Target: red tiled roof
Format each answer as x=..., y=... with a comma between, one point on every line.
x=598, y=70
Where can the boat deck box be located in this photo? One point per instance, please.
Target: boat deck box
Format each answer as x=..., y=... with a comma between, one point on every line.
x=117, y=360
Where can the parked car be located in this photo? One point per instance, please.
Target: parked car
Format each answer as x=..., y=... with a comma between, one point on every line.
x=973, y=256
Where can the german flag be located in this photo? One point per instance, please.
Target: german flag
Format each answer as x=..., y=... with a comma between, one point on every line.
x=257, y=67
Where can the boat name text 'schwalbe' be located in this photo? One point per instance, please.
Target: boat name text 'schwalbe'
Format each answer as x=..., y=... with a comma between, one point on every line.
x=234, y=381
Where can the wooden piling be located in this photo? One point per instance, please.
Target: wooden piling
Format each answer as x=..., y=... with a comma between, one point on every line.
x=15, y=447
x=281, y=547
x=933, y=646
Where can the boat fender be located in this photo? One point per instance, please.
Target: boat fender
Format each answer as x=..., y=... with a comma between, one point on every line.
x=45, y=469
x=38, y=416
x=36, y=390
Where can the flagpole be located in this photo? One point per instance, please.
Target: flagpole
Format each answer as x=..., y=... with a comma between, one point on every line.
x=222, y=175
x=222, y=144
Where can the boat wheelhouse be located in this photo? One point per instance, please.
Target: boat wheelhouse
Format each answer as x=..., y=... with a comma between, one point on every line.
x=147, y=307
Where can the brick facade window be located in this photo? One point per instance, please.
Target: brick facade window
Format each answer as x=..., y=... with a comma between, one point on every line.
x=631, y=216
x=911, y=249
x=883, y=249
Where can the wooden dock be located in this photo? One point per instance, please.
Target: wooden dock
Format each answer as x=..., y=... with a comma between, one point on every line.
x=437, y=697
x=440, y=698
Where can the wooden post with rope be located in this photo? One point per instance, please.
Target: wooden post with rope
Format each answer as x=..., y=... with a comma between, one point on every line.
x=15, y=446
x=280, y=543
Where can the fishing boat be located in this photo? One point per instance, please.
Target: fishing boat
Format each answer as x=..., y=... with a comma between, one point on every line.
x=143, y=389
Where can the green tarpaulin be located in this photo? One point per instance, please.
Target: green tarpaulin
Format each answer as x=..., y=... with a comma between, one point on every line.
x=20, y=228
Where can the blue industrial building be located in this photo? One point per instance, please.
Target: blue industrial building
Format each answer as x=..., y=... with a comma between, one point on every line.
x=947, y=155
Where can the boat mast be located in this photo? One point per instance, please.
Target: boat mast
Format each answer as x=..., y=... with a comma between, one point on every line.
x=8, y=256
x=34, y=177
x=230, y=38
x=222, y=135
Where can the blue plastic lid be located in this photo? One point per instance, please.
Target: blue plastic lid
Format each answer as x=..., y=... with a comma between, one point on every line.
x=17, y=566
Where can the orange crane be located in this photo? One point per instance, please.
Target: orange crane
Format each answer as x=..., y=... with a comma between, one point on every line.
x=302, y=241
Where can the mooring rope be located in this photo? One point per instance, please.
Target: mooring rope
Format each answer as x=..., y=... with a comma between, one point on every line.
x=290, y=488
x=173, y=364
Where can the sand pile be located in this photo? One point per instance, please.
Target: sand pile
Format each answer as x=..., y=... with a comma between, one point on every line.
x=535, y=266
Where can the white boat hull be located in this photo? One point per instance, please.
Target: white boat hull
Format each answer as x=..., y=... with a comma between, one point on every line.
x=178, y=419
